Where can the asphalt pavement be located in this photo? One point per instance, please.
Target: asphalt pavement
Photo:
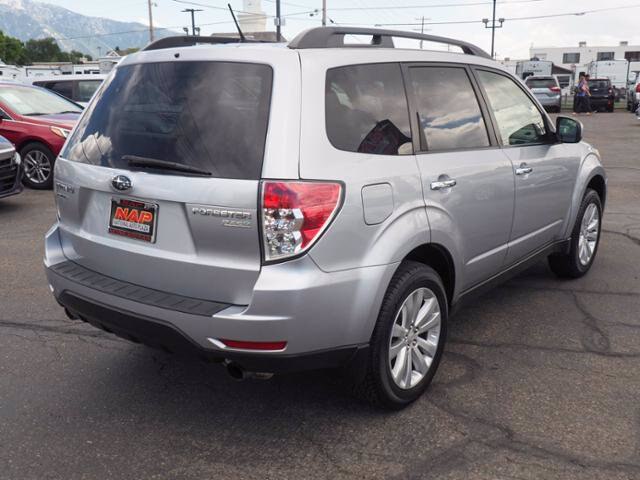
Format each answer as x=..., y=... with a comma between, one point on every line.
x=540, y=379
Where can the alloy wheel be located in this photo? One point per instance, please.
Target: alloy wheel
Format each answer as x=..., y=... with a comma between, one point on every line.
x=37, y=167
x=589, y=232
x=414, y=338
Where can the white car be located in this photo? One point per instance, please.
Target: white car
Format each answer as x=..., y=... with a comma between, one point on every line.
x=77, y=88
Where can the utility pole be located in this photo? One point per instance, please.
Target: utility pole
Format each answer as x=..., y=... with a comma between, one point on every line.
x=422, y=29
x=493, y=27
x=278, y=22
x=324, y=13
x=193, y=18
x=150, y=20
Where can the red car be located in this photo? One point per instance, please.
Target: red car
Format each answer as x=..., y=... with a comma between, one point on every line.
x=37, y=122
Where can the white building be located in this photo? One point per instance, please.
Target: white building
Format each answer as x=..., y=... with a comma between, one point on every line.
x=578, y=58
x=253, y=19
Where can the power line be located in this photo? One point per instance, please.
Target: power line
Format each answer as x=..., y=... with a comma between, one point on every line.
x=439, y=5
x=511, y=19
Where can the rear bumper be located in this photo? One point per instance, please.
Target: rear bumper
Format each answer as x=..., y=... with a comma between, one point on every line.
x=325, y=318
x=548, y=101
x=167, y=337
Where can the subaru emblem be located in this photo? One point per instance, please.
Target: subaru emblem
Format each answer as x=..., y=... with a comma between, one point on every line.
x=121, y=183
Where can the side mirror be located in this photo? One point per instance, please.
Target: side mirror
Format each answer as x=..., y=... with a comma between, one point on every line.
x=568, y=130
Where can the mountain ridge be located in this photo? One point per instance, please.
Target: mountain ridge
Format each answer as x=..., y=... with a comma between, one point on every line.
x=27, y=19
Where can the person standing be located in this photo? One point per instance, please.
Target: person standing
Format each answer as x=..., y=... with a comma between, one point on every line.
x=583, y=100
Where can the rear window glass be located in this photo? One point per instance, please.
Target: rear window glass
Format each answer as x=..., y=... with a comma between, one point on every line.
x=211, y=116
x=599, y=84
x=366, y=109
x=541, y=82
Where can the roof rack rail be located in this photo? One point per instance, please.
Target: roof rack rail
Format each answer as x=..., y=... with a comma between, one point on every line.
x=191, y=40
x=333, y=37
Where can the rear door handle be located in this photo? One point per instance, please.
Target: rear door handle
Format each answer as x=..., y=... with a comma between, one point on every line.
x=523, y=170
x=443, y=184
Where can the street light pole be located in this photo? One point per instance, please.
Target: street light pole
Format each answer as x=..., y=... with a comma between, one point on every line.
x=278, y=22
x=150, y=21
x=493, y=27
x=193, y=18
x=493, y=30
x=324, y=13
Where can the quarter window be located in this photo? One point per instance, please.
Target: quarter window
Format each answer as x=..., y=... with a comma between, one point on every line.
x=366, y=109
x=519, y=121
x=448, y=109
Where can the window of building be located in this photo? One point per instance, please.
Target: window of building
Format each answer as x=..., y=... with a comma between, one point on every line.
x=366, y=109
x=605, y=56
x=632, y=56
x=571, y=58
x=450, y=116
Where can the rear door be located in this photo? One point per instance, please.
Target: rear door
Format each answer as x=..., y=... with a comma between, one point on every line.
x=160, y=180
x=467, y=180
x=545, y=170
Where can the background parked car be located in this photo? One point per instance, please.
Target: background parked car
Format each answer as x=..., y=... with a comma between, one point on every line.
x=77, y=88
x=37, y=122
x=10, y=170
x=547, y=90
x=603, y=97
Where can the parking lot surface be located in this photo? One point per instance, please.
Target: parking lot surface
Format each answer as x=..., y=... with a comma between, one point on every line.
x=540, y=379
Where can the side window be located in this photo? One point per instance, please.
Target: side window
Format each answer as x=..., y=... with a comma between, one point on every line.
x=86, y=89
x=63, y=88
x=450, y=116
x=366, y=109
x=519, y=121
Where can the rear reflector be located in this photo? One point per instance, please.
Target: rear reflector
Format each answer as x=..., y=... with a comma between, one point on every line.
x=244, y=345
x=294, y=215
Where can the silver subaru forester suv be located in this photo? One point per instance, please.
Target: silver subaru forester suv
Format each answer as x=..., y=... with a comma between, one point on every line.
x=316, y=204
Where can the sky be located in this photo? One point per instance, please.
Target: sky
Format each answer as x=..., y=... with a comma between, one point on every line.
x=619, y=22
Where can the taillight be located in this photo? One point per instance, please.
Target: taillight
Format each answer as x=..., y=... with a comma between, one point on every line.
x=294, y=215
x=638, y=88
x=555, y=89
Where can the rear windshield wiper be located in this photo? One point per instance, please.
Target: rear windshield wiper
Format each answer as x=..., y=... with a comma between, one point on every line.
x=143, y=162
x=69, y=111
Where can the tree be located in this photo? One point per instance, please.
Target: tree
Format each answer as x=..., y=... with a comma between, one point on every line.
x=45, y=50
x=12, y=50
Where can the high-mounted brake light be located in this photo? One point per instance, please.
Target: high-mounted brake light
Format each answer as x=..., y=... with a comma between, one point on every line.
x=294, y=215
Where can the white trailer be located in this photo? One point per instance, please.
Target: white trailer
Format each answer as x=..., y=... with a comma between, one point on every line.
x=539, y=68
x=614, y=70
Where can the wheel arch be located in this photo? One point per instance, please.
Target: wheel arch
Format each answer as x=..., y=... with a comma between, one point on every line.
x=440, y=259
x=591, y=175
x=29, y=140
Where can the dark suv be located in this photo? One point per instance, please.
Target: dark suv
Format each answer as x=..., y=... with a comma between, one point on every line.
x=603, y=96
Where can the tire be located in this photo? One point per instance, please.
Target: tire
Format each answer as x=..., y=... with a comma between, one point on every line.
x=379, y=386
x=38, y=161
x=571, y=265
